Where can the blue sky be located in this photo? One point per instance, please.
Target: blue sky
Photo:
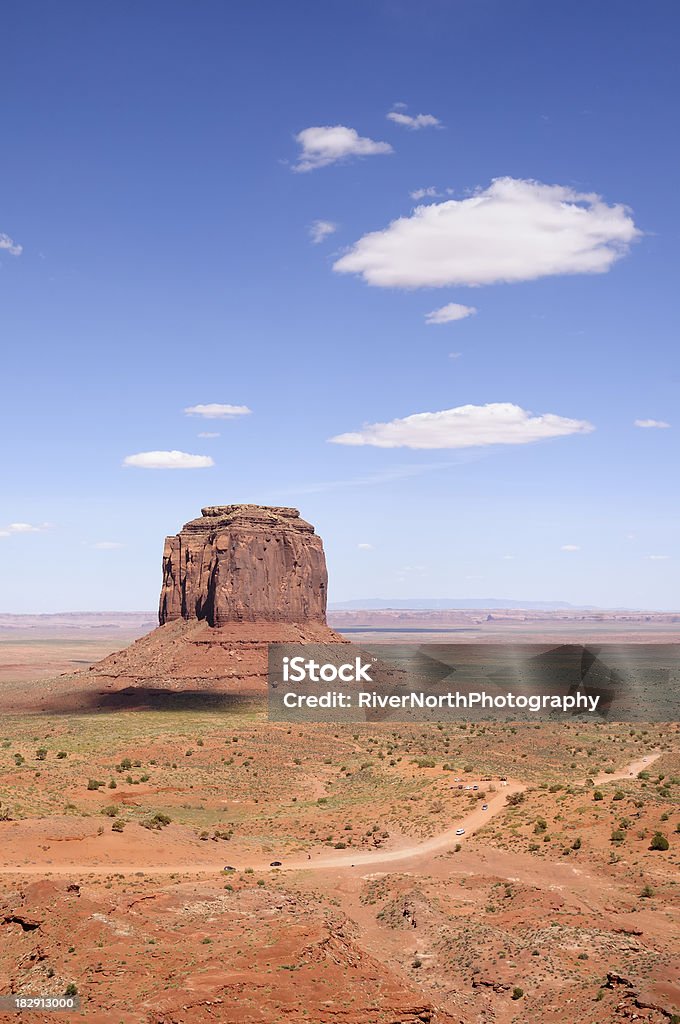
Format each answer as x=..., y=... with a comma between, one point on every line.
x=151, y=179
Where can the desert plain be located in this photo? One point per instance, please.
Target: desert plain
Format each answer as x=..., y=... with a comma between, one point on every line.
x=193, y=863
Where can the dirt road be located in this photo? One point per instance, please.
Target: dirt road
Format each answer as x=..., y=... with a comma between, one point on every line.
x=470, y=823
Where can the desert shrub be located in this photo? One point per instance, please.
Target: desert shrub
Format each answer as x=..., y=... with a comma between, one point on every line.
x=659, y=842
x=619, y=795
x=598, y=795
x=71, y=990
x=647, y=892
x=93, y=784
x=541, y=825
x=515, y=799
x=118, y=825
x=517, y=992
x=111, y=811
x=618, y=835
x=62, y=754
x=41, y=754
x=159, y=821
x=576, y=845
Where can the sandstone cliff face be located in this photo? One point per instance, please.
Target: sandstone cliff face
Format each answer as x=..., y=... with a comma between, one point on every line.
x=244, y=563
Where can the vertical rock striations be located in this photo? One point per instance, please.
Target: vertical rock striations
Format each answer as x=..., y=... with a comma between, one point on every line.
x=244, y=563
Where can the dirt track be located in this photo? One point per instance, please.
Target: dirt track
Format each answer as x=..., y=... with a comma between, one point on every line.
x=471, y=823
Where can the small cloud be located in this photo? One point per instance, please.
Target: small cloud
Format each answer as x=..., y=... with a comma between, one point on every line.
x=168, y=460
x=107, y=545
x=455, y=355
x=9, y=245
x=652, y=424
x=508, y=558
x=467, y=426
x=209, y=433
x=321, y=146
x=570, y=547
x=365, y=547
x=26, y=528
x=414, y=123
x=425, y=193
x=659, y=558
x=447, y=314
x=513, y=230
x=216, y=411
x=321, y=229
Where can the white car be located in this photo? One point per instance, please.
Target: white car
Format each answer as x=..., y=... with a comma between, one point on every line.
x=460, y=831
x=485, y=807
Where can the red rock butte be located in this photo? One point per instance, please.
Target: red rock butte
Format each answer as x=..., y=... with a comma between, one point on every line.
x=235, y=580
x=244, y=563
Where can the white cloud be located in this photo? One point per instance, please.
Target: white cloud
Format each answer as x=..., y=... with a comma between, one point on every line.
x=455, y=355
x=168, y=460
x=365, y=547
x=15, y=528
x=216, y=411
x=425, y=193
x=107, y=545
x=652, y=424
x=322, y=146
x=414, y=123
x=452, y=311
x=508, y=558
x=10, y=246
x=570, y=547
x=659, y=558
x=320, y=229
x=467, y=426
x=514, y=230
x=208, y=433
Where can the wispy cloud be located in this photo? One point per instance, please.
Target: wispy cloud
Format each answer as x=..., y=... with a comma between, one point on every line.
x=16, y=528
x=652, y=424
x=208, y=433
x=416, y=122
x=168, y=460
x=659, y=558
x=570, y=547
x=365, y=547
x=446, y=314
x=8, y=244
x=466, y=426
x=321, y=229
x=324, y=145
x=217, y=411
x=514, y=230
x=107, y=545
x=425, y=193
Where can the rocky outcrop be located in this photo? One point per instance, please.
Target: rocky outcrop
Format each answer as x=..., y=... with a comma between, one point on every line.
x=244, y=563
x=239, y=578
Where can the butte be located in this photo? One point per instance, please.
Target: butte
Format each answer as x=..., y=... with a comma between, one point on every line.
x=234, y=580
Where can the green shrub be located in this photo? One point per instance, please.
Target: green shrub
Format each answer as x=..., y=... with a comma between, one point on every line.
x=659, y=842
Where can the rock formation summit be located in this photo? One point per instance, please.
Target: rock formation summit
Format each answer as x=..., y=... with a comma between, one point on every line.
x=234, y=580
x=244, y=563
